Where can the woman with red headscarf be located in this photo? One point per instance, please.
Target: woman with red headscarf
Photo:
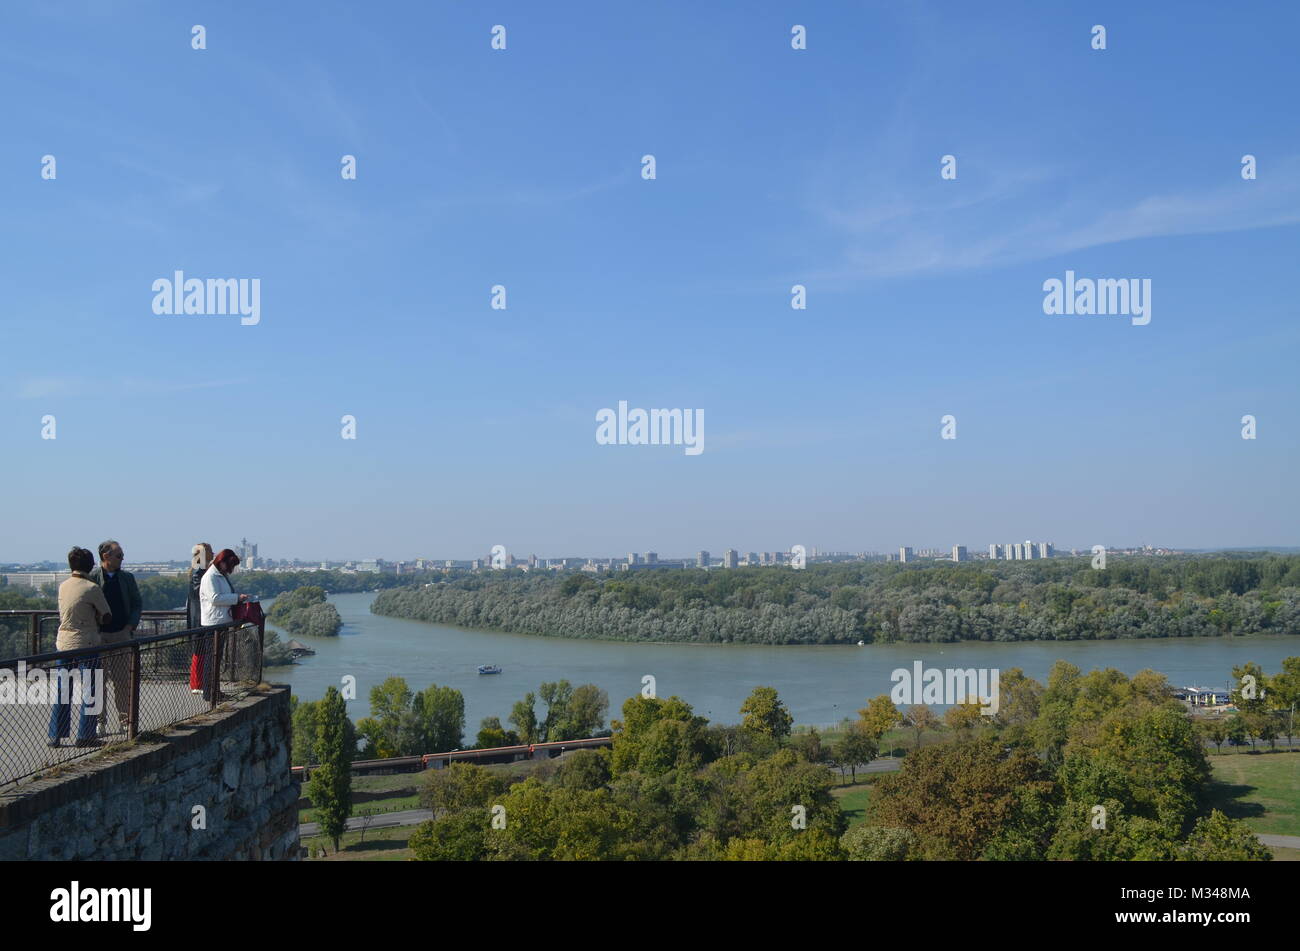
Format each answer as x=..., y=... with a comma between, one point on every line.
x=217, y=596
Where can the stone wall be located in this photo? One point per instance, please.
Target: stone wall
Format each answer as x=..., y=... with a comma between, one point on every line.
x=138, y=800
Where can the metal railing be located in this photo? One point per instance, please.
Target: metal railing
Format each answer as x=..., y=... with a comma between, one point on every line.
x=24, y=633
x=58, y=706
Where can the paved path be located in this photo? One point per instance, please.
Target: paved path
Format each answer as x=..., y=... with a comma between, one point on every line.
x=407, y=817
x=1280, y=841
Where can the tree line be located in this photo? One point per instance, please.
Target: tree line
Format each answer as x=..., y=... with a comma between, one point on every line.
x=1053, y=599
x=1095, y=766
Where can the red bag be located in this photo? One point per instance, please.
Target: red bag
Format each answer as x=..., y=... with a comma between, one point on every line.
x=249, y=612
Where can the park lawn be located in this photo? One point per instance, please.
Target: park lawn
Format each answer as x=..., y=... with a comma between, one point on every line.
x=374, y=806
x=1262, y=789
x=1285, y=855
x=853, y=801
x=380, y=845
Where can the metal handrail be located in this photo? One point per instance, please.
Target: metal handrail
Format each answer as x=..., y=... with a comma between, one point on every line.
x=36, y=615
x=210, y=641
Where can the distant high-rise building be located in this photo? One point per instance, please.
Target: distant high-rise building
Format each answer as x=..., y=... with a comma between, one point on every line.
x=631, y=558
x=1045, y=550
x=904, y=554
x=1009, y=551
x=652, y=558
x=701, y=559
x=959, y=553
x=994, y=551
x=532, y=561
x=752, y=558
x=731, y=559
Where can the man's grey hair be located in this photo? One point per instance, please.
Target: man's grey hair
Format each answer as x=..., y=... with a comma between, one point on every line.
x=107, y=547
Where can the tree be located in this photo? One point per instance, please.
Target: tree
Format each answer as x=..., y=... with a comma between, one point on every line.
x=657, y=735
x=440, y=714
x=962, y=718
x=491, y=735
x=460, y=786
x=765, y=714
x=455, y=837
x=584, y=769
x=523, y=716
x=1216, y=731
x=864, y=843
x=879, y=716
x=920, y=718
x=390, y=706
x=1216, y=838
x=809, y=746
x=585, y=713
x=956, y=797
x=305, y=716
x=330, y=788
x=556, y=696
x=856, y=748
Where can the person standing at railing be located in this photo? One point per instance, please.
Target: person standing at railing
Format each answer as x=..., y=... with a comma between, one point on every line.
x=200, y=559
x=123, y=596
x=217, y=596
x=82, y=610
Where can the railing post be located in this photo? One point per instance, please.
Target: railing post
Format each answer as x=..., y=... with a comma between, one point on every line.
x=261, y=646
x=214, y=669
x=133, y=709
x=35, y=630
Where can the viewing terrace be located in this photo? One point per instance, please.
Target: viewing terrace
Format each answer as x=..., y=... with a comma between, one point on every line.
x=137, y=686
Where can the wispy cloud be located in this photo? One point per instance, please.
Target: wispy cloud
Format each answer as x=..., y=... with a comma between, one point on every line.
x=946, y=226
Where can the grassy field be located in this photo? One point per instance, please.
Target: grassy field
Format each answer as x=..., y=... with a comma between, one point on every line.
x=1262, y=789
x=380, y=845
x=853, y=801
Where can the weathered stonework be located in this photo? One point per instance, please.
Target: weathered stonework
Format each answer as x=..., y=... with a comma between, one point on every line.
x=136, y=800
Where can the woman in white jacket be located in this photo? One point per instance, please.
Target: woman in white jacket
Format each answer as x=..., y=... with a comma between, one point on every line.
x=216, y=598
x=216, y=595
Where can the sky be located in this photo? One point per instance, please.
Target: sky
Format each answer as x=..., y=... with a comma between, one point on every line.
x=522, y=167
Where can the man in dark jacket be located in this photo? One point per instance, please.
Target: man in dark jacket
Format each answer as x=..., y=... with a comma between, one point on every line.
x=124, y=603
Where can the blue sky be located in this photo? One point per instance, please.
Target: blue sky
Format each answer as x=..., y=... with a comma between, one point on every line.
x=522, y=167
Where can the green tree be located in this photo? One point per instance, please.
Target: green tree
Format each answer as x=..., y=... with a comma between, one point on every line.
x=330, y=788
x=956, y=797
x=879, y=716
x=864, y=843
x=584, y=769
x=305, y=717
x=765, y=714
x=856, y=748
x=523, y=717
x=492, y=735
x=454, y=837
x=460, y=786
x=440, y=714
x=1216, y=838
x=389, y=720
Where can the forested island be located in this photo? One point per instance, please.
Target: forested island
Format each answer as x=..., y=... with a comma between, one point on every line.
x=1053, y=599
x=304, y=612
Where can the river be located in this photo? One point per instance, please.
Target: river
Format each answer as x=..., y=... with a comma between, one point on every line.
x=820, y=685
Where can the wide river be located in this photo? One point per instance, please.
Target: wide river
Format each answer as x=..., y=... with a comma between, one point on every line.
x=820, y=685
